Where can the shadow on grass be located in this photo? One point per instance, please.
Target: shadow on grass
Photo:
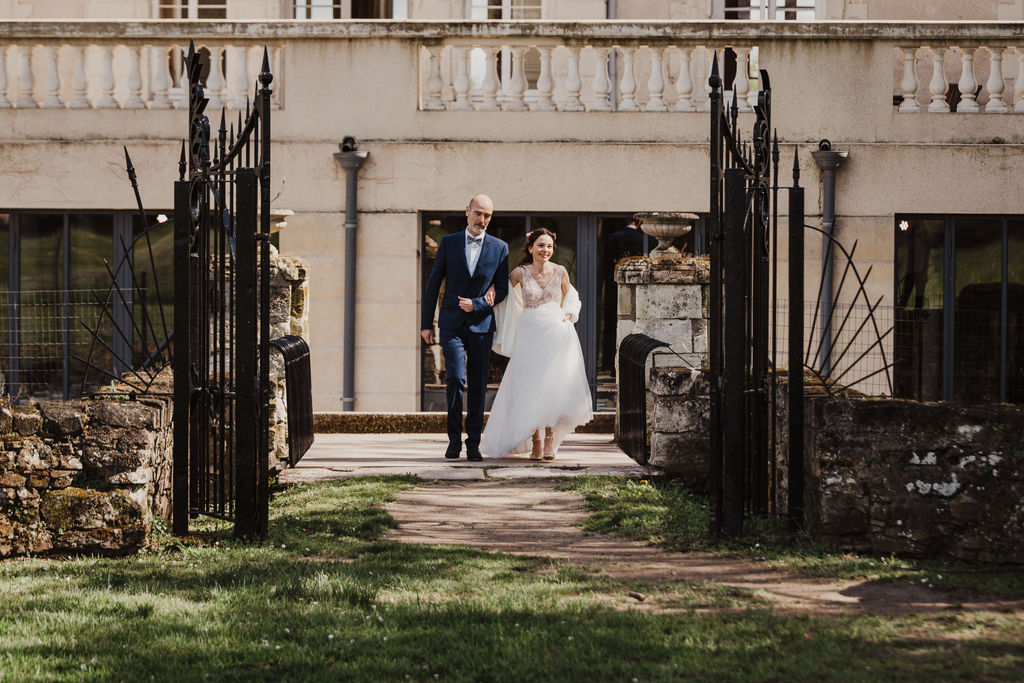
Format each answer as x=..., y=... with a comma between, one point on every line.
x=324, y=600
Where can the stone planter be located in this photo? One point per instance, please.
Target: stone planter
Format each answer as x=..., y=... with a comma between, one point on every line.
x=666, y=226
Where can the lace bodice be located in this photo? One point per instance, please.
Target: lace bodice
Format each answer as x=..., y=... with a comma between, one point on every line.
x=537, y=293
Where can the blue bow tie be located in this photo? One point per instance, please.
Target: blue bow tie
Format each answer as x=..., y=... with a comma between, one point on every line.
x=474, y=240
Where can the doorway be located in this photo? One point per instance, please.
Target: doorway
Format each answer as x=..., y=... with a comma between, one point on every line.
x=582, y=240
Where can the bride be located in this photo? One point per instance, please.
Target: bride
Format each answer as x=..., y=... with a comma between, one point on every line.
x=545, y=384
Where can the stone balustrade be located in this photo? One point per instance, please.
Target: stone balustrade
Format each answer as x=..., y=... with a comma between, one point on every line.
x=990, y=81
x=118, y=74
x=531, y=75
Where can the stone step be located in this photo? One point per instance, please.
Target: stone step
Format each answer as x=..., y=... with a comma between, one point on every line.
x=419, y=423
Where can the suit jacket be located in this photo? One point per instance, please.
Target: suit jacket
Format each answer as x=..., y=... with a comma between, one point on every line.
x=450, y=266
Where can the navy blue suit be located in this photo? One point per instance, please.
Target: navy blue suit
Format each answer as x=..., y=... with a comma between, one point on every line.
x=465, y=336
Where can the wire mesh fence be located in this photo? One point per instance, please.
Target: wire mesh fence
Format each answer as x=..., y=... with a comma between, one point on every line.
x=45, y=336
x=861, y=354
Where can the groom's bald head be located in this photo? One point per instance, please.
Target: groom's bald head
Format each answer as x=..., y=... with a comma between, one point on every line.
x=479, y=212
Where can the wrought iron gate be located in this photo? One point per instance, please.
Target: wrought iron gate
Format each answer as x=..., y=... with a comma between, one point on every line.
x=740, y=229
x=221, y=314
x=746, y=423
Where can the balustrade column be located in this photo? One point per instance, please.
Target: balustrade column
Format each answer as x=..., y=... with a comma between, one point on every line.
x=709, y=58
x=178, y=93
x=909, y=105
x=26, y=83
x=602, y=85
x=79, y=100
x=968, y=85
x=490, y=83
x=656, y=81
x=1018, y=83
x=545, y=84
x=278, y=91
x=741, y=84
x=627, y=84
x=938, y=86
x=684, y=84
x=134, y=82
x=52, y=82
x=240, y=79
x=106, y=80
x=160, y=78
x=461, y=84
x=215, y=81
x=516, y=83
x=573, y=84
x=4, y=102
x=995, y=84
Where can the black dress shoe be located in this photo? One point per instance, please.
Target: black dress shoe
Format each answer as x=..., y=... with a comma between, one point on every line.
x=473, y=455
x=453, y=452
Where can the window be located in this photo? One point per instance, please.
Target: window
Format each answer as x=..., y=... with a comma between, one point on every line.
x=505, y=9
x=959, y=308
x=192, y=9
x=348, y=9
x=760, y=10
x=54, y=285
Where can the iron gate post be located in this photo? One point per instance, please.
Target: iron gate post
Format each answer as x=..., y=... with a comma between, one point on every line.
x=733, y=387
x=182, y=387
x=714, y=249
x=795, y=482
x=247, y=441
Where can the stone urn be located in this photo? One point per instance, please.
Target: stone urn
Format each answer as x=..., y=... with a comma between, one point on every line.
x=666, y=226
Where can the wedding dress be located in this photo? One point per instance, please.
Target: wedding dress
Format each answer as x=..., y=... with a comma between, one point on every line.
x=545, y=383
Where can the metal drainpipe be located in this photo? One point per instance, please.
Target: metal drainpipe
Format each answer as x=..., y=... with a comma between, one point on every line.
x=829, y=162
x=350, y=160
x=612, y=12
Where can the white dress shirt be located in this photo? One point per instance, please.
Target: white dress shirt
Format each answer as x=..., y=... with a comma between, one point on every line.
x=473, y=250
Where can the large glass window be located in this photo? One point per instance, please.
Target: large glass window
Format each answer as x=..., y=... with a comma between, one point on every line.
x=775, y=10
x=192, y=9
x=349, y=9
x=959, y=308
x=581, y=247
x=56, y=291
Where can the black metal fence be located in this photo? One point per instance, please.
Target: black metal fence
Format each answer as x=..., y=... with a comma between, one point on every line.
x=632, y=395
x=221, y=316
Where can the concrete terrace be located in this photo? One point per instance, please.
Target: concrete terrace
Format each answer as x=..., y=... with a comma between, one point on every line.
x=340, y=456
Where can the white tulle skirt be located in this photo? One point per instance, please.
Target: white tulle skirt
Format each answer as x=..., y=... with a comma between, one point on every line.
x=545, y=385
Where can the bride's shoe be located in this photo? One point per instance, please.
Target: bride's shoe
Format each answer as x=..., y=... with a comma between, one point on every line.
x=549, y=451
x=535, y=454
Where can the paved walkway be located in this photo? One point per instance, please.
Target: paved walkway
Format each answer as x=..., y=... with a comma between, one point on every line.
x=339, y=456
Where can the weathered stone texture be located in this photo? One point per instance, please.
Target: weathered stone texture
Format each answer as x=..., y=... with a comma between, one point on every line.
x=679, y=438
x=84, y=476
x=919, y=479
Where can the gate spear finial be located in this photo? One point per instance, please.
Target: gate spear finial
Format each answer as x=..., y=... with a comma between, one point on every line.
x=796, y=166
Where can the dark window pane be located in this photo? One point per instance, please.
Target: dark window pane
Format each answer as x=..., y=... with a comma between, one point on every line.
x=5, y=303
x=918, y=312
x=41, y=307
x=154, y=278
x=977, y=309
x=1015, y=313
x=92, y=243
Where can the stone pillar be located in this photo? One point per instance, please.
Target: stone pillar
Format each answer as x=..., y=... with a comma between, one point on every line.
x=666, y=299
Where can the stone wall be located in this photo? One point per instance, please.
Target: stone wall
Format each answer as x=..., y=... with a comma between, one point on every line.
x=83, y=476
x=667, y=299
x=679, y=437
x=919, y=479
x=89, y=476
x=289, y=314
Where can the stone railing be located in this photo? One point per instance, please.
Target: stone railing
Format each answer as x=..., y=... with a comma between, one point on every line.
x=990, y=81
x=63, y=73
x=529, y=75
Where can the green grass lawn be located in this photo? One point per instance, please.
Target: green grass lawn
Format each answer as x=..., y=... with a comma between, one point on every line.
x=324, y=599
x=673, y=518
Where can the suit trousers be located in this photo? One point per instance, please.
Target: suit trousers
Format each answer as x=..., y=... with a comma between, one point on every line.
x=466, y=358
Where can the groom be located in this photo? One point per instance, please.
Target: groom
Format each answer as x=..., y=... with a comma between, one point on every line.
x=474, y=267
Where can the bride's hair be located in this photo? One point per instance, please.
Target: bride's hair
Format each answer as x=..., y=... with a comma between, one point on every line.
x=531, y=237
